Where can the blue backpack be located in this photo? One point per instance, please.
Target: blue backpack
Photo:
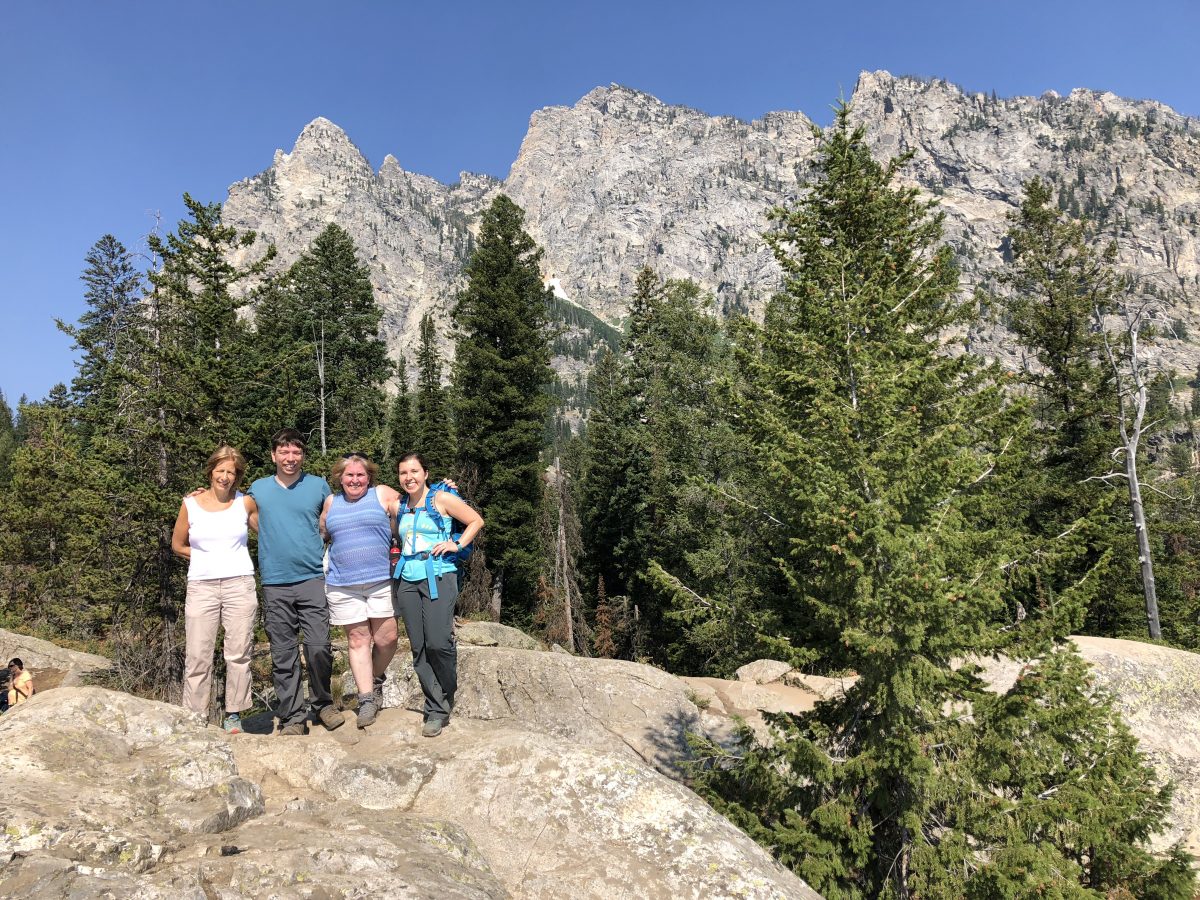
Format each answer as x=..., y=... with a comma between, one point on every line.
x=453, y=529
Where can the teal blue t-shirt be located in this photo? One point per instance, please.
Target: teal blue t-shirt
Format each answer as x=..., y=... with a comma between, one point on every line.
x=290, y=548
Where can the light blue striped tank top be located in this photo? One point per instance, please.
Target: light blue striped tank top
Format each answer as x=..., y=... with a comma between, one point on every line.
x=361, y=534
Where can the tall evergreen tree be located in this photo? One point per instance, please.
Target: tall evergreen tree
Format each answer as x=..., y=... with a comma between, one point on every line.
x=501, y=368
x=198, y=352
x=108, y=330
x=402, y=427
x=8, y=439
x=894, y=465
x=322, y=328
x=665, y=489
x=433, y=426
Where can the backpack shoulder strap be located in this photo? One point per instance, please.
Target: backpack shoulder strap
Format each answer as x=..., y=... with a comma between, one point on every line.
x=439, y=521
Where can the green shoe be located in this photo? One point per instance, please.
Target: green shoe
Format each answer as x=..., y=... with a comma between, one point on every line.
x=432, y=727
x=232, y=724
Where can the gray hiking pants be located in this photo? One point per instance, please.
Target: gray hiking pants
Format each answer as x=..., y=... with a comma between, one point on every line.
x=288, y=610
x=430, y=627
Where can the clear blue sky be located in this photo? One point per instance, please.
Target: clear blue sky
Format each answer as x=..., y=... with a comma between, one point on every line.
x=110, y=111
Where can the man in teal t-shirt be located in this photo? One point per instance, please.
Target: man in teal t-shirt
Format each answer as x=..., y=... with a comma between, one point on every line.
x=290, y=557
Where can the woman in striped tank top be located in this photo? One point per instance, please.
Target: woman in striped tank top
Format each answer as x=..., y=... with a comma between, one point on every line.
x=358, y=583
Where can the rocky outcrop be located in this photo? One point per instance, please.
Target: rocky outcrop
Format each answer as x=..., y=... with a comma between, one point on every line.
x=49, y=664
x=611, y=705
x=110, y=795
x=1157, y=690
x=621, y=179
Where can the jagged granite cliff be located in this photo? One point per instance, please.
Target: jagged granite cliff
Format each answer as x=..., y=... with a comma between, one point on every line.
x=621, y=179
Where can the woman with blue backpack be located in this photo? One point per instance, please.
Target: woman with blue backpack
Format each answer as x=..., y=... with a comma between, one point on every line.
x=426, y=575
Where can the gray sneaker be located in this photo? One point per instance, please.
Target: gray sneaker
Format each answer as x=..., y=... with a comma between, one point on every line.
x=295, y=729
x=378, y=689
x=331, y=717
x=368, y=709
x=432, y=727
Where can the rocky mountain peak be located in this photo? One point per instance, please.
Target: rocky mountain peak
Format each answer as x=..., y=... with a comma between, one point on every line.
x=622, y=179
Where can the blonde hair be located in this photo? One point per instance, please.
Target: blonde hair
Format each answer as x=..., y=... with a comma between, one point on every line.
x=223, y=453
x=335, y=474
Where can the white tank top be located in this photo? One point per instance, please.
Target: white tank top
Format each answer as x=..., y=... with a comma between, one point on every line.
x=218, y=541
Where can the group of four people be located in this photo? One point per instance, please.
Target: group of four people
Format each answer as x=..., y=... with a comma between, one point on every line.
x=295, y=513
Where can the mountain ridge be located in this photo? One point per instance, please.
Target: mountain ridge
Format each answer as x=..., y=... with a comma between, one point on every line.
x=621, y=179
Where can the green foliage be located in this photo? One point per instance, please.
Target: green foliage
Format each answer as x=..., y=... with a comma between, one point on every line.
x=401, y=427
x=894, y=468
x=1059, y=286
x=673, y=520
x=107, y=329
x=433, y=429
x=195, y=350
x=327, y=364
x=8, y=440
x=501, y=367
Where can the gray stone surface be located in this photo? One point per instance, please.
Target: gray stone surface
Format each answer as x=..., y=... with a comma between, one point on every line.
x=493, y=634
x=109, y=795
x=763, y=671
x=605, y=704
x=552, y=817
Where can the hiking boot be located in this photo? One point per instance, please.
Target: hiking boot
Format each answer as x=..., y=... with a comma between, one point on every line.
x=331, y=717
x=432, y=727
x=294, y=729
x=232, y=724
x=368, y=709
x=378, y=689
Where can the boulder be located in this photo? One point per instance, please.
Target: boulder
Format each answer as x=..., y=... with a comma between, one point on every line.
x=493, y=634
x=1157, y=691
x=553, y=818
x=111, y=795
x=606, y=704
x=50, y=665
x=763, y=671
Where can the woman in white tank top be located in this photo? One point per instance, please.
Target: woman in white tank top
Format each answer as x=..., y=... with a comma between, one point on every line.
x=210, y=533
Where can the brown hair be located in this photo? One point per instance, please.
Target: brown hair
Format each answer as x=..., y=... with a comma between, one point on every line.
x=288, y=437
x=335, y=474
x=223, y=453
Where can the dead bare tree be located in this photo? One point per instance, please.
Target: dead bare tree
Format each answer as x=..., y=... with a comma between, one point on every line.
x=1132, y=372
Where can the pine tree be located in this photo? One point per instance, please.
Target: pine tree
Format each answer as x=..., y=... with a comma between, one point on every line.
x=108, y=330
x=1057, y=285
x=501, y=368
x=433, y=427
x=894, y=465
x=1195, y=401
x=8, y=439
x=198, y=355
x=323, y=329
x=612, y=479
x=402, y=427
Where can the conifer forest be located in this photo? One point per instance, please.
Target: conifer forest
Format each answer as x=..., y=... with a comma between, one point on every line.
x=841, y=485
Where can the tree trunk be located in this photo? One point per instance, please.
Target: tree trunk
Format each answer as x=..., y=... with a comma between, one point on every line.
x=321, y=384
x=1145, y=560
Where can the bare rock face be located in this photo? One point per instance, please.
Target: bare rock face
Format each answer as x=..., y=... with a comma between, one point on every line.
x=621, y=180
x=612, y=705
x=493, y=634
x=552, y=817
x=1130, y=166
x=109, y=795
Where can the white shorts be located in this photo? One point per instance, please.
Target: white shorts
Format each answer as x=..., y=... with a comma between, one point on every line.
x=350, y=604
